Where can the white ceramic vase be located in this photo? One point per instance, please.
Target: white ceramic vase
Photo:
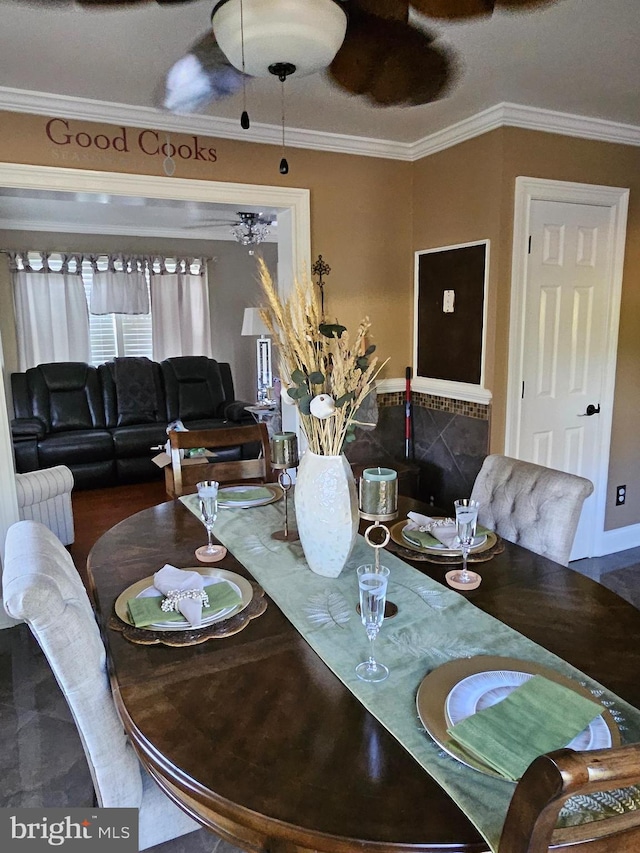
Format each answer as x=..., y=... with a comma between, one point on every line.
x=326, y=505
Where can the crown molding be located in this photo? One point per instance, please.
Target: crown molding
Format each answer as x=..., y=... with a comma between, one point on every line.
x=500, y=115
x=527, y=118
x=107, y=112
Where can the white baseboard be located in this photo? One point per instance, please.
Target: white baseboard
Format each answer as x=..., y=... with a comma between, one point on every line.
x=620, y=539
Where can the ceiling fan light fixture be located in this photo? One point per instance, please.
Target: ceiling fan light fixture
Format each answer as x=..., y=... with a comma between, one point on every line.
x=304, y=33
x=251, y=229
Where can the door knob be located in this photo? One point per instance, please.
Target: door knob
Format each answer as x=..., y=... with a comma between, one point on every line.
x=591, y=410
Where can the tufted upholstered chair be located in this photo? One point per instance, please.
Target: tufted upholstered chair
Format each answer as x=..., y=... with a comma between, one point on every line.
x=533, y=506
x=46, y=496
x=42, y=587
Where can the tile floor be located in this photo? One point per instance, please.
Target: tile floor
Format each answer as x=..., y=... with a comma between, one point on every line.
x=41, y=759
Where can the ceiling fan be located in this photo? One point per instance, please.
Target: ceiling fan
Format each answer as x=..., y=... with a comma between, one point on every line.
x=247, y=227
x=379, y=53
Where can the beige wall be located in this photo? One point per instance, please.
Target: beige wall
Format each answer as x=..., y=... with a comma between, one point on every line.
x=368, y=217
x=467, y=193
x=360, y=210
x=457, y=199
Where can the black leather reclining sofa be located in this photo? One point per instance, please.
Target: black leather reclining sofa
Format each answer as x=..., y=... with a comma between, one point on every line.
x=103, y=422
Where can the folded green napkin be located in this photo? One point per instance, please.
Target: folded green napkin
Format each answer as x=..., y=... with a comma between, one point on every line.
x=146, y=611
x=241, y=494
x=537, y=717
x=426, y=540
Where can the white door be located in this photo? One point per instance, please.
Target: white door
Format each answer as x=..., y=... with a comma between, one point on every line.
x=565, y=343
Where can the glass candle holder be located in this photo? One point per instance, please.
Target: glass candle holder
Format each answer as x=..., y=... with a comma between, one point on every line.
x=284, y=455
x=378, y=496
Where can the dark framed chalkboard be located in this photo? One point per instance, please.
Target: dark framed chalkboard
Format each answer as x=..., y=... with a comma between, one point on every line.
x=450, y=312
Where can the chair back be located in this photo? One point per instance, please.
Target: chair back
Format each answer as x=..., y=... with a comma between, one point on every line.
x=41, y=586
x=531, y=505
x=530, y=826
x=182, y=477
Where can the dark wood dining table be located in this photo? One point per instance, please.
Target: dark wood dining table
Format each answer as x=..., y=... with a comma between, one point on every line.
x=257, y=738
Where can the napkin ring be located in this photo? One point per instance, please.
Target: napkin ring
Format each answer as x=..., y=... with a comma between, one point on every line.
x=174, y=596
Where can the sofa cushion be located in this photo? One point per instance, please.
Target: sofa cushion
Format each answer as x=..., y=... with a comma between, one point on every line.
x=133, y=392
x=66, y=396
x=194, y=388
x=75, y=446
x=137, y=440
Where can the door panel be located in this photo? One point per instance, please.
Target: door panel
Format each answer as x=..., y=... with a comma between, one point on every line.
x=567, y=306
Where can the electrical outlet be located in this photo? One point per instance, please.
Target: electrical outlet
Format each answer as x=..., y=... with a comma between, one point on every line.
x=621, y=495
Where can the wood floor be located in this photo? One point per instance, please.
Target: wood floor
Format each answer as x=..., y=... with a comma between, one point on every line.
x=97, y=510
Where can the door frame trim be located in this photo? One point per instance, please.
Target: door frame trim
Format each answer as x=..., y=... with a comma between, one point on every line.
x=616, y=199
x=294, y=249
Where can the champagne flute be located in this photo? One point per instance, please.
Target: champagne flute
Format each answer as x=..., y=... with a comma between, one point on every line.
x=372, y=583
x=208, y=495
x=466, y=521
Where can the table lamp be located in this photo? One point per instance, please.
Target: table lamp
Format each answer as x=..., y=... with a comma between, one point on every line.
x=378, y=502
x=284, y=455
x=253, y=324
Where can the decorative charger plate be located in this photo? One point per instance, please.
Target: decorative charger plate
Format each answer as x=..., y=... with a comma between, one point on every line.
x=396, y=534
x=241, y=585
x=469, y=684
x=245, y=495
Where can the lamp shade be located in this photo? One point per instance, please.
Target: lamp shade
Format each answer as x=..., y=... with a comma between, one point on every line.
x=252, y=323
x=304, y=33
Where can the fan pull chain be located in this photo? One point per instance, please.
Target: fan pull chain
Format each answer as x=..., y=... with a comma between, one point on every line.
x=244, y=118
x=284, y=166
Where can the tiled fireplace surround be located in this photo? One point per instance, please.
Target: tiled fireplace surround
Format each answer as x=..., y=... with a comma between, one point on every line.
x=450, y=440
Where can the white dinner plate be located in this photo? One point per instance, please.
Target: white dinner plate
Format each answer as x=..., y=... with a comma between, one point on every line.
x=484, y=689
x=209, y=580
x=145, y=587
x=478, y=541
x=244, y=496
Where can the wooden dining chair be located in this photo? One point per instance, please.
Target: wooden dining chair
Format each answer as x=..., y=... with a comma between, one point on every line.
x=531, y=505
x=41, y=586
x=236, y=442
x=550, y=780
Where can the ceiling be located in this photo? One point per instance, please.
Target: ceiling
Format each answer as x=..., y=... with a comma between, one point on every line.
x=89, y=213
x=576, y=56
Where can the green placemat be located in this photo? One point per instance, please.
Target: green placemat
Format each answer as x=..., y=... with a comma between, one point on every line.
x=434, y=624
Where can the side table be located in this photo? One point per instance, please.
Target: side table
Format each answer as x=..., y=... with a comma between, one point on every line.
x=269, y=415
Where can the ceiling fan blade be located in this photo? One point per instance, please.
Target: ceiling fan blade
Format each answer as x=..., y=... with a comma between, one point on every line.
x=458, y=9
x=390, y=63
x=523, y=4
x=94, y=3
x=395, y=10
x=454, y=9
x=199, y=78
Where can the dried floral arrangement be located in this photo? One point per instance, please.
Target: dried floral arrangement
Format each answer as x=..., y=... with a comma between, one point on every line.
x=323, y=373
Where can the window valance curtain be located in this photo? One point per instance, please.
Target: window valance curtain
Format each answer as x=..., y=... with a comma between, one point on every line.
x=180, y=308
x=121, y=287
x=52, y=318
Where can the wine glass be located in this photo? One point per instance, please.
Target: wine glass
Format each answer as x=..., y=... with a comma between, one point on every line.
x=372, y=583
x=208, y=495
x=466, y=521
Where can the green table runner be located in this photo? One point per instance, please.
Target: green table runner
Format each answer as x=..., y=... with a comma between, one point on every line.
x=433, y=625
